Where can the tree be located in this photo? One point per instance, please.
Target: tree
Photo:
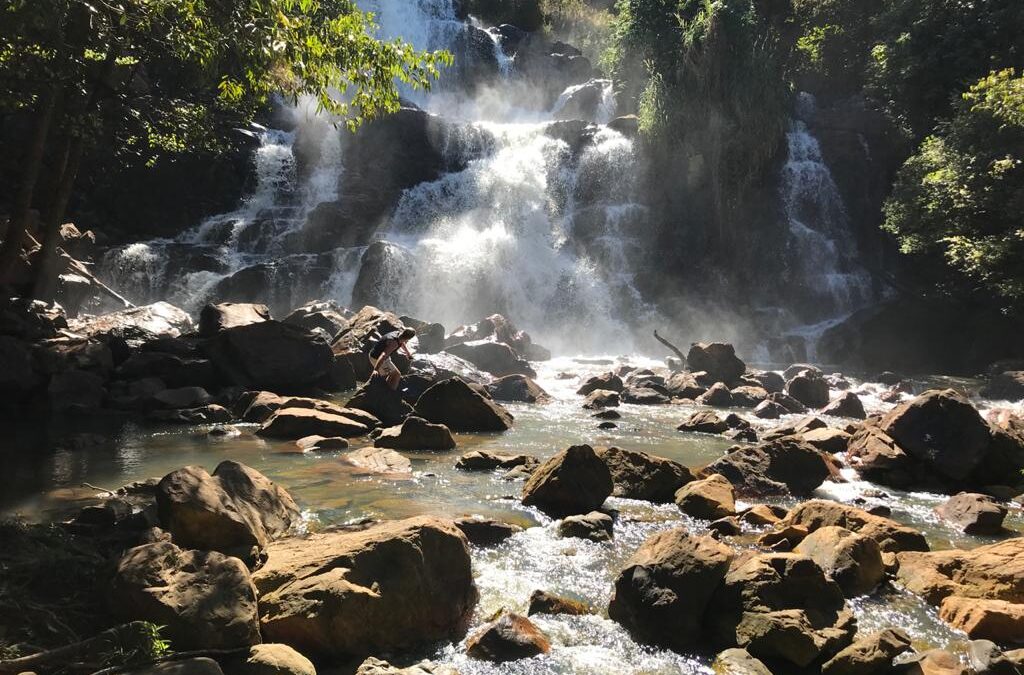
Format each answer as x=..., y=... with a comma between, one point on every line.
x=961, y=196
x=174, y=74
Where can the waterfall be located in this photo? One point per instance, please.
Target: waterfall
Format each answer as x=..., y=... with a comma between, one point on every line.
x=823, y=253
x=539, y=221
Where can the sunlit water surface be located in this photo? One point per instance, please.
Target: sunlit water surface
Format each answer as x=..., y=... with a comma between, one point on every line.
x=46, y=467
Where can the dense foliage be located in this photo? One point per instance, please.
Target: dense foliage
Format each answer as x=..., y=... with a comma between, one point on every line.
x=961, y=195
x=159, y=76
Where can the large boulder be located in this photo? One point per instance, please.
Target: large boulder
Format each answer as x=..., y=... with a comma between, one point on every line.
x=393, y=586
x=890, y=535
x=781, y=606
x=572, y=482
x=710, y=498
x=203, y=599
x=364, y=328
x=994, y=572
x=215, y=318
x=877, y=457
x=508, y=638
x=853, y=560
x=381, y=401
x=601, y=398
x=271, y=355
x=326, y=316
x=662, y=593
x=233, y=511
x=496, y=358
x=718, y=360
x=869, y=655
x=160, y=319
x=810, y=388
x=416, y=433
x=295, y=423
x=973, y=513
x=787, y=466
x=518, y=389
x=270, y=659
x=595, y=526
x=1008, y=385
x=76, y=391
x=941, y=430
x=847, y=404
x=984, y=619
x=638, y=475
x=459, y=407
x=607, y=381
x=704, y=422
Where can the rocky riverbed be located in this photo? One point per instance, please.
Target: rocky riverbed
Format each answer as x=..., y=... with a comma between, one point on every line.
x=509, y=512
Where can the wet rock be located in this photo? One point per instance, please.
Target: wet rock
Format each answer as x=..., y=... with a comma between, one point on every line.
x=607, y=415
x=987, y=659
x=890, y=535
x=28, y=319
x=797, y=368
x=704, y=422
x=456, y=405
x=233, y=511
x=781, y=606
x=391, y=586
x=496, y=358
x=877, y=457
x=770, y=381
x=869, y=655
x=784, y=537
x=769, y=410
x=994, y=572
x=662, y=592
x=322, y=444
x=984, y=619
x=542, y=602
x=517, y=388
x=763, y=514
x=378, y=399
x=847, y=405
x=295, y=423
x=932, y=662
x=215, y=318
x=638, y=475
x=173, y=370
x=574, y=481
x=270, y=659
x=183, y=397
x=416, y=433
x=791, y=405
x=973, y=513
x=326, y=316
x=510, y=638
x=717, y=396
x=601, y=398
x=607, y=426
x=748, y=397
x=160, y=319
x=710, y=498
x=942, y=430
x=728, y=527
x=1008, y=385
x=270, y=355
x=485, y=532
x=684, y=385
x=852, y=560
x=484, y=460
x=627, y=125
x=810, y=388
x=718, y=360
x=203, y=599
x=786, y=466
x=737, y=661
x=373, y=666
x=828, y=440
x=208, y=414
x=644, y=396
x=380, y=462
x=797, y=428
x=595, y=526
x=76, y=391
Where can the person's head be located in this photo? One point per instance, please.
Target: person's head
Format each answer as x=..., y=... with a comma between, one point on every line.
x=407, y=335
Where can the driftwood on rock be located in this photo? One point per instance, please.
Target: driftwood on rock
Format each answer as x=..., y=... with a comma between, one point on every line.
x=672, y=347
x=81, y=268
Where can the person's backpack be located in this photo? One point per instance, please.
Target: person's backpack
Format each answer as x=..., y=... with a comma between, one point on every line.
x=381, y=345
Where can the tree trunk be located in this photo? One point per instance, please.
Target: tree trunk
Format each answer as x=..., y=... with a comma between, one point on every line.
x=47, y=271
x=15, y=238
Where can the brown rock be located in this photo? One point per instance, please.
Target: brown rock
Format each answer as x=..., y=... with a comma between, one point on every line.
x=847, y=405
x=785, y=466
x=542, y=602
x=572, y=482
x=511, y=637
x=973, y=513
x=215, y=318
x=295, y=423
x=710, y=498
x=416, y=433
x=869, y=655
x=981, y=619
x=704, y=422
x=852, y=560
x=379, y=461
x=601, y=398
x=890, y=535
x=995, y=571
x=638, y=475
x=456, y=405
x=517, y=388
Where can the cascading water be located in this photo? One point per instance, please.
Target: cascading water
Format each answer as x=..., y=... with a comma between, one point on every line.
x=539, y=222
x=831, y=282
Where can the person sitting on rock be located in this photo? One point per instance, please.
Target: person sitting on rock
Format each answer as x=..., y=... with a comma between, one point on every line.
x=381, y=353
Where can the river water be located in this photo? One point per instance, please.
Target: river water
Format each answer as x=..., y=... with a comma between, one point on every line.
x=47, y=466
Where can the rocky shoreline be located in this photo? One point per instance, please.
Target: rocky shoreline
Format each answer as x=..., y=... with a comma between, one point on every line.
x=223, y=562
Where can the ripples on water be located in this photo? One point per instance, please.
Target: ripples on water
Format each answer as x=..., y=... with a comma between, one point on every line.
x=41, y=482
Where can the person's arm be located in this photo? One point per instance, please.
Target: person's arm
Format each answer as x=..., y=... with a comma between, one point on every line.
x=380, y=359
x=405, y=348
